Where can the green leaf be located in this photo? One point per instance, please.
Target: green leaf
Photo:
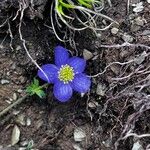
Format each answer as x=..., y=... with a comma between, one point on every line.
x=86, y=3
x=35, y=89
x=66, y=5
x=41, y=93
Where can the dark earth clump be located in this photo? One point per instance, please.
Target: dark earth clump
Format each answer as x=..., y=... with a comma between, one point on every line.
x=114, y=114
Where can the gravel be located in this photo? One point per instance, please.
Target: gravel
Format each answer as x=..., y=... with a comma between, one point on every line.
x=4, y=81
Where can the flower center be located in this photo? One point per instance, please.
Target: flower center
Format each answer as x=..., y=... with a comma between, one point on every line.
x=66, y=73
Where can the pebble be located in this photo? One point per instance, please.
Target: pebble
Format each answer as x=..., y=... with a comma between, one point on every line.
x=135, y=28
x=87, y=54
x=4, y=81
x=98, y=35
x=21, y=119
x=140, y=58
x=18, y=48
x=148, y=1
x=127, y=38
x=139, y=21
x=21, y=148
x=146, y=32
x=24, y=143
x=15, y=135
x=9, y=102
x=28, y=122
x=19, y=91
x=100, y=90
x=14, y=96
x=10, y=99
x=107, y=143
x=16, y=112
x=79, y=135
x=13, y=67
x=77, y=147
x=93, y=104
x=138, y=7
x=1, y=146
x=114, y=30
x=137, y=146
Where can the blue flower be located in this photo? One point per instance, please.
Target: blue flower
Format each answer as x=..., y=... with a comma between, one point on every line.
x=66, y=75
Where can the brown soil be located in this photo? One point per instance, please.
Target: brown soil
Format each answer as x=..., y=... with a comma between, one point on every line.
x=105, y=119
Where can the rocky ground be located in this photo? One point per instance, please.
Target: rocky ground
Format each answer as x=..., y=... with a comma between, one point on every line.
x=113, y=115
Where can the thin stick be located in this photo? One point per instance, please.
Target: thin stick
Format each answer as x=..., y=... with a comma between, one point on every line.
x=17, y=102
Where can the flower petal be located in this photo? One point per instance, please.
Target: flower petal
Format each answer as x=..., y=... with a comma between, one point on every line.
x=62, y=92
x=81, y=83
x=61, y=56
x=77, y=63
x=50, y=70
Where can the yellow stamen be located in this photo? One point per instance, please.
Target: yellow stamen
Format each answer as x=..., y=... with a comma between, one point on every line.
x=66, y=74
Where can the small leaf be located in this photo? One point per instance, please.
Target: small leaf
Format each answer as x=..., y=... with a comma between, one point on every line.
x=41, y=93
x=36, y=82
x=35, y=88
x=85, y=3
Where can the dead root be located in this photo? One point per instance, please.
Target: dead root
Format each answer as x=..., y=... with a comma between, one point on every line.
x=133, y=90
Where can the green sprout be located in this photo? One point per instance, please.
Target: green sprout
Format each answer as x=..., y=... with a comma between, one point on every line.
x=78, y=15
x=35, y=89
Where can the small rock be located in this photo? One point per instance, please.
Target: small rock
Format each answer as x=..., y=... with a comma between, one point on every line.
x=14, y=96
x=79, y=135
x=19, y=91
x=15, y=135
x=132, y=16
x=1, y=146
x=10, y=99
x=77, y=147
x=135, y=27
x=28, y=123
x=138, y=7
x=127, y=38
x=24, y=143
x=13, y=67
x=18, y=48
x=146, y=32
x=139, y=21
x=3, y=81
x=16, y=112
x=98, y=35
x=124, y=53
x=92, y=104
x=9, y=102
x=140, y=58
x=114, y=30
x=21, y=119
x=107, y=143
x=82, y=94
x=101, y=88
x=137, y=146
x=8, y=73
x=21, y=148
x=87, y=54
x=1, y=46
x=148, y=1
